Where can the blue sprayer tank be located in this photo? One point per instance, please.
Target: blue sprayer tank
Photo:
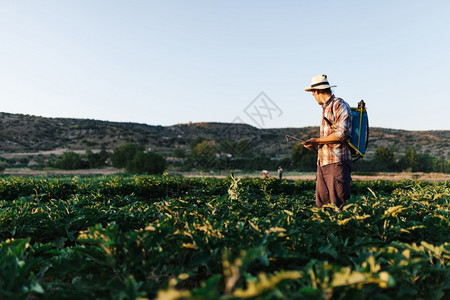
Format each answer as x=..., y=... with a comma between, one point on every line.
x=360, y=130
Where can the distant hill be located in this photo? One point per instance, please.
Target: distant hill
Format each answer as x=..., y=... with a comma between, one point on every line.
x=31, y=134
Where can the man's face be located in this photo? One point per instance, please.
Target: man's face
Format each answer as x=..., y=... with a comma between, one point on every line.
x=316, y=95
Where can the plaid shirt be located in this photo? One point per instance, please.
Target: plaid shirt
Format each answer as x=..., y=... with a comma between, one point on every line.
x=338, y=112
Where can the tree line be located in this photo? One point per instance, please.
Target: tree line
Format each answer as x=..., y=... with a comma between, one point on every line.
x=133, y=158
x=210, y=155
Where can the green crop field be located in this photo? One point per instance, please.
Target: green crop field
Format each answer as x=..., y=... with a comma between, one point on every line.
x=167, y=237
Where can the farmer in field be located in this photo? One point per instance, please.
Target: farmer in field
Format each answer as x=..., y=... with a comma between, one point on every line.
x=334, y=162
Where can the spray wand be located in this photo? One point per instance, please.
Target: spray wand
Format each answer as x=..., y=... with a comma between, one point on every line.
x=292, y=138
x=288, y=137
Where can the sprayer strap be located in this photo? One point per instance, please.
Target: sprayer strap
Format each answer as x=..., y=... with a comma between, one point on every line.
x=329, y=122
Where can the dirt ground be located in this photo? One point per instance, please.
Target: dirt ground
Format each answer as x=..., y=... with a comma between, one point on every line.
x=30, y=172
x=401, y=176
x=286, y=175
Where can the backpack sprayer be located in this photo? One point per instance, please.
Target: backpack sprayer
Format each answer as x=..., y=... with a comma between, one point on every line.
x=360, y=131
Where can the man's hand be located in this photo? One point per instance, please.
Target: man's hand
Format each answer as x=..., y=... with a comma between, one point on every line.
x=311, y=143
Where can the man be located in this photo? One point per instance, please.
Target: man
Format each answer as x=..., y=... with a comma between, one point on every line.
x=334, y=158
x=280, y=172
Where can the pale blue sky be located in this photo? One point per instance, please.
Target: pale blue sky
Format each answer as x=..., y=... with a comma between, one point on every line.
x=169, y=62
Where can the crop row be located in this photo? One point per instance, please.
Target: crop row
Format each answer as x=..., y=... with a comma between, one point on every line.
x=154, y=187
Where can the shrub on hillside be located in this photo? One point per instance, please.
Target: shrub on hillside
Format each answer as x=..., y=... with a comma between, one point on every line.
x=3, y=164
x=125, y=153
x=70, y=161
x=146, y=163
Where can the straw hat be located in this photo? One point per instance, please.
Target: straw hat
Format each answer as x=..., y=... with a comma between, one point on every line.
x=319, y=82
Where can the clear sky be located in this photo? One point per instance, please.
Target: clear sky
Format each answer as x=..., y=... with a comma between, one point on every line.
x=168, y=62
